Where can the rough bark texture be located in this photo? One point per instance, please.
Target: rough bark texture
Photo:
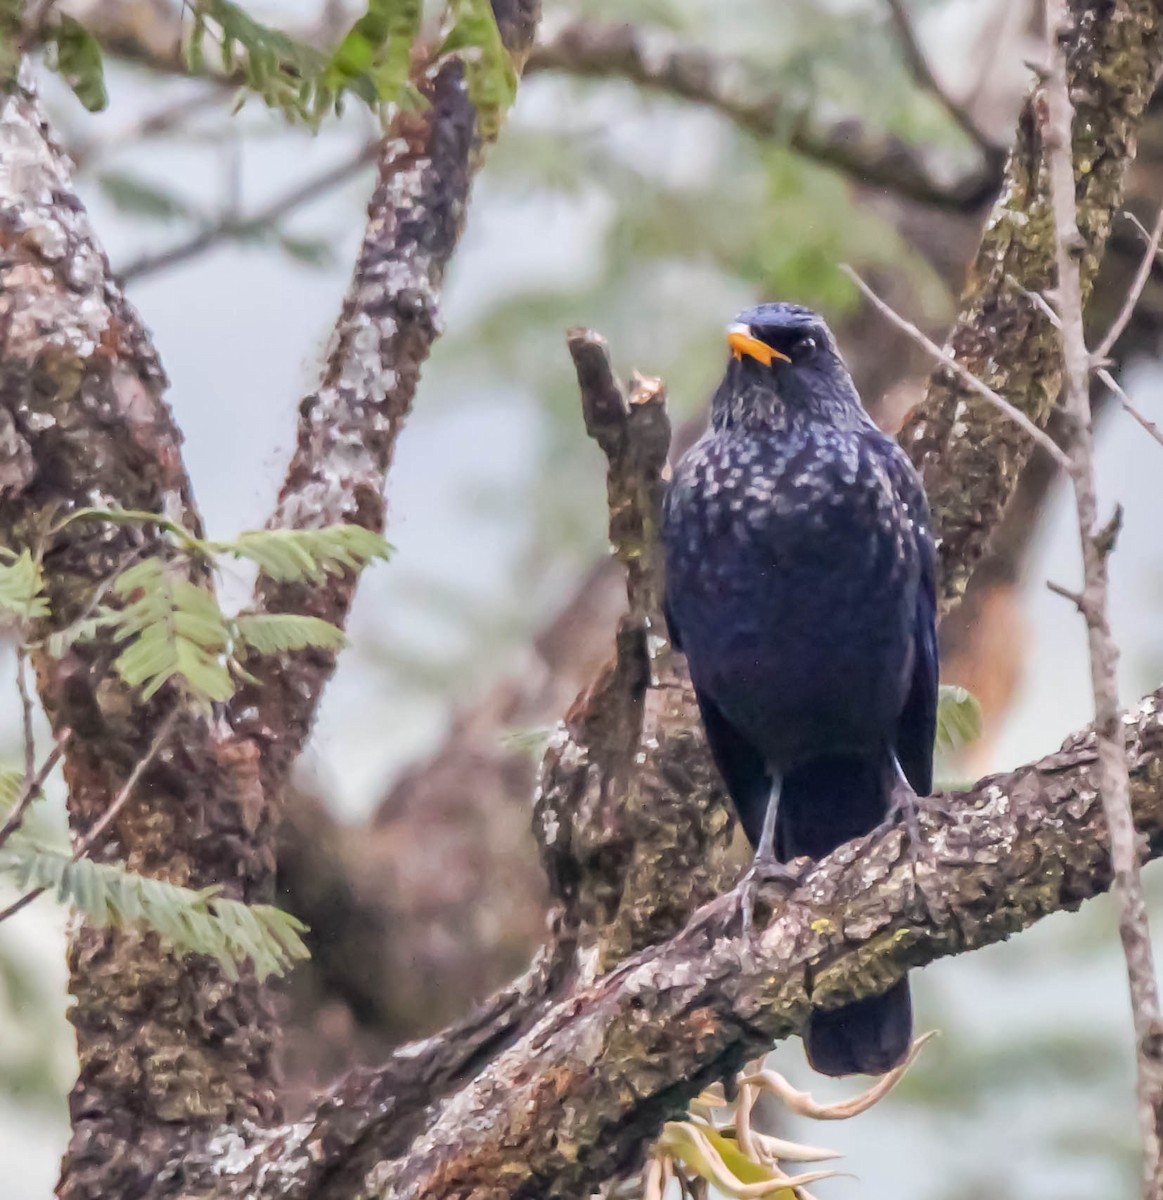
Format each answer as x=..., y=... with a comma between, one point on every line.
x=558, y=1081
x=349, y=426
x=1114, y=55
x=573, y=1099
x=164, y=1043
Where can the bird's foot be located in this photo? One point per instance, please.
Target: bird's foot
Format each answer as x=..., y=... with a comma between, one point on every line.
x=764, y=873
x=906, y=811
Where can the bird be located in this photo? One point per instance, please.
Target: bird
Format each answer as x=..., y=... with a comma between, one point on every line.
x=800, y=585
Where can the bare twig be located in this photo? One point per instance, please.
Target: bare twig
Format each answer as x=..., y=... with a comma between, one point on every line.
x=1100, y=352
x=127, y=788
x=234, y=225
x=966, y=376
x=31, y=788
x=28, y=733
x=1113, y=777
x=918, y=63
x=1108, y=380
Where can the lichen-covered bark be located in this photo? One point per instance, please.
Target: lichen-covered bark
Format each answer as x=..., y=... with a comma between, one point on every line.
x=574, y=1097
x=164, y=1043
x=627, y=796
x=969, y=454
x=348, y=427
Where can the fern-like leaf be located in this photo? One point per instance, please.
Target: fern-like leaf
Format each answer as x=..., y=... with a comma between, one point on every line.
x=21, y=586
x=958, y=718
x=276, y=633
x=170, y=628
x=193, y=922
x=11, y=785
x=307, y=555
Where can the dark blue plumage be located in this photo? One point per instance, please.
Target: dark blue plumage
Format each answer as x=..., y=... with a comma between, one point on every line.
x=800, y=586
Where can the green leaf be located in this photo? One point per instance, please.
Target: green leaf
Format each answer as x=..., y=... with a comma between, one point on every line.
x=140, y=198
x=315, y=252
x=21, y=586
x=958, y=718
x=170, y=628
x=489, y=72
x=11, y=785
x=306, y=555
x=275, y=633
x=77, y=59
x=193, y=922
x=372, y=58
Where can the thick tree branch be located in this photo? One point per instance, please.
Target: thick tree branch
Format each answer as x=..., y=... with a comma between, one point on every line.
x=970, y=455
x=576, y=1097
x=349, y=426
x=877, y=160
x=82, y=412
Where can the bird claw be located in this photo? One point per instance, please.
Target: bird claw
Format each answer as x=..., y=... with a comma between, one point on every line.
x=764, y=873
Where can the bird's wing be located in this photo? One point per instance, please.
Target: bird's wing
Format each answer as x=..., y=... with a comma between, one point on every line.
x=917, y=724
x=671, y=624
x=741, y=765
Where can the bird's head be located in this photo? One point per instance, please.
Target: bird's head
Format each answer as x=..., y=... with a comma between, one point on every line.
x=784, y=362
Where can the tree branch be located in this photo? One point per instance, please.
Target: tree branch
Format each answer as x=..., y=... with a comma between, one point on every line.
x=969, y=455
x=238, y=226
x=576, y=1097
x=621, y=51
x=1113, y=783
x=918, y=64
x=349, y=426
x=82, y=401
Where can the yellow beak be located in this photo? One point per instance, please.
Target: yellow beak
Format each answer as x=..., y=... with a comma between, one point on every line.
x=741, y=341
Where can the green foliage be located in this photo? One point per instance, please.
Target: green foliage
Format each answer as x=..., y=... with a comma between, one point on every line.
x=287, y=75
x=193, y=922
x=490, y=74
x=77, y=59
x=306, y=555
x=138, y=197
x=11, y=785
x=375, y=51
x=169, y=628
x=276, y=633
x=21, y=586
x=371, y=61
x=958, y=718
x=11, y=28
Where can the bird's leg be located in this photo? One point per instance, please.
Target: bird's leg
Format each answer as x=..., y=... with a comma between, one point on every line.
x=765, y=867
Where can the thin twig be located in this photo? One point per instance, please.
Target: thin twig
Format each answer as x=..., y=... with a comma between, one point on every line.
x=1108, y=380
x=918, y=64
x=27, y=712
x=31, y=788
x=1100, y=352
x=1113, y=780
x=967, y=377
x=235, y=226
x=120, y=800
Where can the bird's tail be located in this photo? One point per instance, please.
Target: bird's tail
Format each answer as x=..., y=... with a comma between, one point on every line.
x=823, y=804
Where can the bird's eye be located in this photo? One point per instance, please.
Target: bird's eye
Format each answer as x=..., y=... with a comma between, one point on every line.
x=805, y=347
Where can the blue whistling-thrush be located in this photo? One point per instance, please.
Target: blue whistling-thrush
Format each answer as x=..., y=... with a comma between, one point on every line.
x=800, y=585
